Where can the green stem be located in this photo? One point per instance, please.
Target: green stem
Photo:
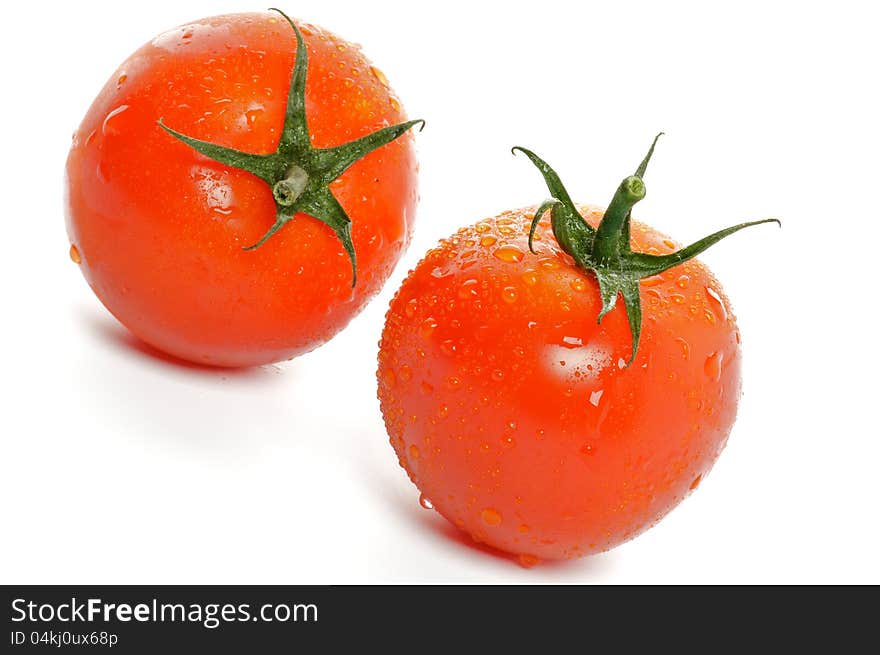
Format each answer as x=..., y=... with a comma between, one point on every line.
x=606, y=251
x=287, y=190
x=606, y=244
x=298, y=174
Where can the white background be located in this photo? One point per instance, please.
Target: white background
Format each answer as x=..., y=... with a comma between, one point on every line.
x=117, y=467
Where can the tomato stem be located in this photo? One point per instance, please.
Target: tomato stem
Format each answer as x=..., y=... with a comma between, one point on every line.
x=607, y=251
x=286, y=191
x=298, y=174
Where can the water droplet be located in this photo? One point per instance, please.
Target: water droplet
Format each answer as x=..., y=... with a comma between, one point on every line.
x=669, y=243
x=379, y=75
x=621, y=363
x=677, y=298
x=395, y=103
x=453, y=383
x=469, y=289
x=121, y=80
x=682, y=281
x=487, y=241
x=528, y=561
x=253, y=114
x=75, y=257
x=588, y=449
x=710, y=317
x=564, y=306
x=491, y=516
x=509, y=254
x=530, y=277
x=426, y=329
x=509, y=295
x=550, y=263
x=411, y=307
x=578, y=284
x=685, y=348
x=696, y=482
x=523, y=528
x=713, y=365
x=572, y=342
x=448, y=348
x=595, y=397
x=716, y=302
x=653, y=281
x=106, y=128
x=443, y=411
x=405, y=373
x=414, y=452
x=427, y=389
x=425, y=502
x=508, y=441
x=388, y=378
x=498, y=375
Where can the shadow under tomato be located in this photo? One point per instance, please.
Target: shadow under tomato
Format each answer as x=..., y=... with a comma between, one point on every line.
x=115, y=335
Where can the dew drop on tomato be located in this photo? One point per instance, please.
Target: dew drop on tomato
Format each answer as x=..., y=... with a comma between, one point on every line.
x=716, y=303
x=491, y=516
x=425, y=502
x=713, y=365
x=528, y=561
x=509, y=254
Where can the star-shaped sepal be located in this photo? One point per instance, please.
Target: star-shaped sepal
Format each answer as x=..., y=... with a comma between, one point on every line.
x=606, y=250
x=298, y=174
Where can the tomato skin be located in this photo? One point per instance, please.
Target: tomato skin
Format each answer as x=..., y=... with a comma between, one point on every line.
x=514, y=412
x=160, y=229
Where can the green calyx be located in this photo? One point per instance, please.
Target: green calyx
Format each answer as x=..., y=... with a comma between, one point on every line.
x=606, y=250
x=298, y=174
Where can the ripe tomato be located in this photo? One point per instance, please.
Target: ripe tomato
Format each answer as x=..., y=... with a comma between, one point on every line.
x=160, y=230
x=520, y=417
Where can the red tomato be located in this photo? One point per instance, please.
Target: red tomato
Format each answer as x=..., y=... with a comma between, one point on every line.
x=519, y=416
x=515, y=413
x=159, y=230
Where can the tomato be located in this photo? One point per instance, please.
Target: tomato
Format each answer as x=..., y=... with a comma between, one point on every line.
x=160, y=219
x=521, y=418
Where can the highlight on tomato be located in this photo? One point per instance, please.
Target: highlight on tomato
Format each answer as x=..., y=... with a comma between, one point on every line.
x=555, y=387
x=240, y=188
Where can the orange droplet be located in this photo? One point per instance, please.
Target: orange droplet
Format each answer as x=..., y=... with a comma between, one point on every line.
x=669, y=243
x=713, y=365
x=491, y=516
x=469, y=289
x=75, y=257
x=426, y=329
x=405, y=373
x=528, y=561
x=652, y=281
x=414, y=452
x=121, y=80
x=696, y=482
x=509, y=254
x=716, y=302
x=379, y=75
x=487, y=241
x=389, y=379
x=395, y=103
